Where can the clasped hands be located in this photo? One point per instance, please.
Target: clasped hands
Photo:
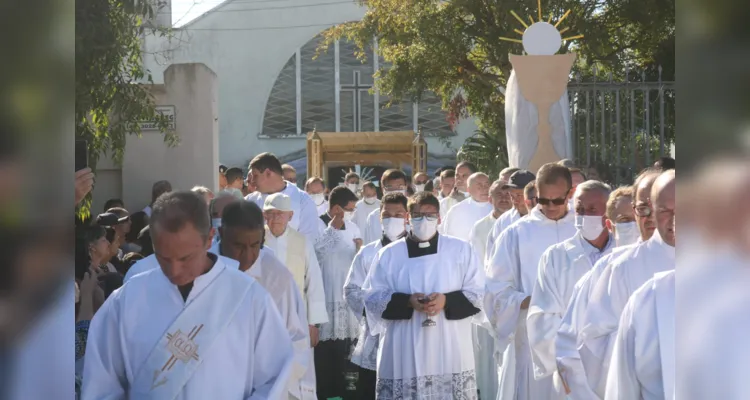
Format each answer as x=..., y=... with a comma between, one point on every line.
x=432, y=307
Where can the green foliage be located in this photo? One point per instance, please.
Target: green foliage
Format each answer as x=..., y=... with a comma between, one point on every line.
x=110, y=101
x=486, y=150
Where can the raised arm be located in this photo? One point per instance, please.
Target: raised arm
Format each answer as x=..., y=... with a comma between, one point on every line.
x=104, y=376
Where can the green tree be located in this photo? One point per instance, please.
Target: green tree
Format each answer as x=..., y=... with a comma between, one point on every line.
x=109, y=99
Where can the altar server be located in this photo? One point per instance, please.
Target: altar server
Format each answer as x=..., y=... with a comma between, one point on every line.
x=336, y=247
x=393, y=217
x=643, y=359
x=316, y=189
x=266, y=171
x=628, y=273
x=560, y=267
x=392, y=181
x=511, y=276
x=514, y=204
x=461, y=218
x=367, y=205
x=193, y=328
x=421, y=294
x=460, y=192
x=242, y=234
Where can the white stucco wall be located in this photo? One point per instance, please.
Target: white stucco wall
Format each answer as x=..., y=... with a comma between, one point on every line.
x=247, y=57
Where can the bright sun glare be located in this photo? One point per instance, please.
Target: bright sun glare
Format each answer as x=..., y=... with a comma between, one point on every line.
x=541, y=38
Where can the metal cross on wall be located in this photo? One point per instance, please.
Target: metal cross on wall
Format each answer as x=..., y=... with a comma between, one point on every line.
x=356, y=89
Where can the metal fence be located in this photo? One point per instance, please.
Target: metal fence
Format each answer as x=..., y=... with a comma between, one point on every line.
x=619, y=127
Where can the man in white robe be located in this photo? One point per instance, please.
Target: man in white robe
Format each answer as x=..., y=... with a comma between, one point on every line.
x=510, y=280
x=446, y=182
x=338, y=243
x=393, y=216
x=242, y=234
x=266, y=171
x=367, y=205
x=316, y=189
x=628, y=273
x=460, y=191
x=461, y=218
x=575, y=365
x=193, y=328
x=392, y=181
x=515, y=204
x=643, y=357
x=560, y=267
x=424, y=354
x=297, y=253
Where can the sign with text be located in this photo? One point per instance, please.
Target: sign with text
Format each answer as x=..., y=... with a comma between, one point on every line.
x=167, y=111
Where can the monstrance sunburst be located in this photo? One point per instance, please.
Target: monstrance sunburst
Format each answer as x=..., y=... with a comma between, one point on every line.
x=541, y=38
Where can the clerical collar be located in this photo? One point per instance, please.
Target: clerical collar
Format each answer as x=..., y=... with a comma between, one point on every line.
x=385, y=241
x=418, y=249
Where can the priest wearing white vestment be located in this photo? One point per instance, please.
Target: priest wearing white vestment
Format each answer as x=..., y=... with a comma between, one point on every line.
x=510, y=280
x=266, y=171
x=242, y=236
x=392, y=181
x=560, y=267
x=421, y=294
x=393, y=216
x=464, y=170
x=628, y=273
x=461, y=218
x=338, y=243
x=297, y=253
x=447, y=181
x=367, y=205
x=580, y=366
x=316, y=189
x=193, y=328
x=516, y=202
x=643, y=357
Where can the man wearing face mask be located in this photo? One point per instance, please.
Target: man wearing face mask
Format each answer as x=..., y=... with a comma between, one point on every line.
x=630, y=271
x=420, y=180
x=392, y=181
x=420, y=296
x=338, y=243
x=393, y=218
x=461, y=219
x=460, y=192
x=580, y=359
x=316, y=189
x=367, y=205
x=351, y=182
x=511, y=274
x=560, y=268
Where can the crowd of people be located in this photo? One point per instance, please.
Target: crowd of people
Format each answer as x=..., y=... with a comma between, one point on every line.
x=538, y=285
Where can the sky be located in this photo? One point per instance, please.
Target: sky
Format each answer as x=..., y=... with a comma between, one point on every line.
x=184, y=11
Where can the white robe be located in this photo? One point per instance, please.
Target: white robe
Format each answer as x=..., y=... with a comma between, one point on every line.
x=335, y=250
x=576, y=364
x=362, y=212
x=510, y=279
x=305, y=218
x=415, y=362
x=612, y=291
x=322, y=208
x=461, y=218
x=148, y=263
x=365, y=353
x=506, y=219
x=373, y=227
x=249, y=359
x=446, y=204
x=314, y=291
x=560, y=267
x=643, y=364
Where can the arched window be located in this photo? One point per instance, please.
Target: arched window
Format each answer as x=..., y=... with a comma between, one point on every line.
x=331, y=92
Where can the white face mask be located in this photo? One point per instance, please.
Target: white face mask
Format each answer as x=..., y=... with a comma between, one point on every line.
x=394, y=227
x=424, y=229
x=626, y=233
x=216, y=223
x=402, y=191
x=370, y=200
x=419, y=188
x=590, y=226
x=348, y=215
x=318, y=198
x=353, y=187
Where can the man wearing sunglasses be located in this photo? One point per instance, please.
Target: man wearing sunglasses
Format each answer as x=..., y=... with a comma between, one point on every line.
x=511, y=274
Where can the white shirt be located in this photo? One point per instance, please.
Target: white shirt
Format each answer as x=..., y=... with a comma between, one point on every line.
x=305, y=218
x=362, y=212
x=446, y=204
x=147, y=210
x=461, y=218
x=479, y=233
x=506, y=219
x=374, y=227
x=245, y=360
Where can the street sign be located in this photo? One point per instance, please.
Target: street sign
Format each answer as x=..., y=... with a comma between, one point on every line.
x=168, y=111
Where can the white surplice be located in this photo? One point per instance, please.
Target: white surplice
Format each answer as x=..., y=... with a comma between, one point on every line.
x=313, y=279
x=305, y=218
x=447, y=203
x=511, y=275
x=373, y=229
x=363, y=211
x=460, y=220
x=335, y=249
x=484, y=345
x=250, y=358
x=613, y=289
x=416, y=362
x=506, y=219
x=560, y=268
x=580, y=370
x=643, y=364
x=365, y=353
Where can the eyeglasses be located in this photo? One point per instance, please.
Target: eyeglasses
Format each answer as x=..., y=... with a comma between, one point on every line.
x=642, y=211
x=558, y=202
x=394, y=188
x=429, y=216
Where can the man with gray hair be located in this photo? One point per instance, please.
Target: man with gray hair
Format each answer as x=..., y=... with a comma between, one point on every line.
x=560, y=267
x=207, y=194
x=200, y=312
x=461, y=218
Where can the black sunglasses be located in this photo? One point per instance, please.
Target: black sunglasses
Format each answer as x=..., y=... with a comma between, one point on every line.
x=558, y=202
